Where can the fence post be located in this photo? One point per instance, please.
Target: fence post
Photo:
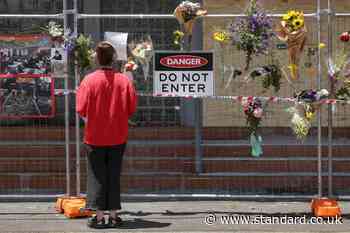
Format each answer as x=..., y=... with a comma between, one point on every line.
x=198, y=102
x=330, y=106
x=66, y=107
x=77, y=118
x=198, y=135
x=319, y=120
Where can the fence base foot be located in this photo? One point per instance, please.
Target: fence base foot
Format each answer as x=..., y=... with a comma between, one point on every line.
x=325, y=207
x=72, y=207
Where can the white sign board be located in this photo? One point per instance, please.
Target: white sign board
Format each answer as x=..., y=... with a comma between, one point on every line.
x=183, y=74
x=119, y=40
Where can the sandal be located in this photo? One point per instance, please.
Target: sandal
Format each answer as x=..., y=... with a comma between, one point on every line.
x=94, y=223
x=114, y=222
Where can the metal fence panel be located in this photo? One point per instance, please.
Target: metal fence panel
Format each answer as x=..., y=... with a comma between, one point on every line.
x=32, y=149
x=161, y=154
x=166, y=164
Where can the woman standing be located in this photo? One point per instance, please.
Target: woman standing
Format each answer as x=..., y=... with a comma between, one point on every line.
x=105, y=99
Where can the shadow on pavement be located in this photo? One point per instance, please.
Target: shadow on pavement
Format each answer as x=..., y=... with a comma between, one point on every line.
x=141, y=224
x=172, y=213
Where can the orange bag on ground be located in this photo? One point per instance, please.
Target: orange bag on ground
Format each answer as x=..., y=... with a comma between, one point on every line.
x=59, y=203
x=72, y=207
x=325, y=207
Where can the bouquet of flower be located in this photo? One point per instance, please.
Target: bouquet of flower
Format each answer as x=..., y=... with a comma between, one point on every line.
x=343, y=93
x=305, y=110
x=299, y=123
x=186, y=13
x=293, y=31
x=311, y=96
x=143, y=53
x=178, y=39
x=338, y=75
x=129, y=68
x=252, y=33
x=221, y=38
x=254, y=112
x=271, y=76
x=55, y=31
x=77, y=46
x=83, y=53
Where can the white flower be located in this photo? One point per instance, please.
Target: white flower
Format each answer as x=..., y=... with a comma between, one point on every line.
x=193, y=6
x=143, y=52
x=55, y=30
x=324, y=92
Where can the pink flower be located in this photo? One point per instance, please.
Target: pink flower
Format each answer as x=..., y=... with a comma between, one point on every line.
x=258, y=112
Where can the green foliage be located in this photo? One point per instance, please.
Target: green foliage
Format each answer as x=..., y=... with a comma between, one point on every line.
x=343, y=93
x=83, y=52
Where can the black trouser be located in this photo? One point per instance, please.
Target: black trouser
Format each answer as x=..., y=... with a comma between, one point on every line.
x=103, y=177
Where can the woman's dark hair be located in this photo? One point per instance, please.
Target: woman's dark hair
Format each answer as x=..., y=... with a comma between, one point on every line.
x=105, y=53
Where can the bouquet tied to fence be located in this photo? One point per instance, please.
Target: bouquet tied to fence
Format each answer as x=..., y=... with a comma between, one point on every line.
x=304, y=111
x=186, y=13
x=252, y=33
x=253, y=110
x=55, y=31
x=292, y=30
x=79, y=47
x=338, y=71
x=143, y=53
x=270, y=76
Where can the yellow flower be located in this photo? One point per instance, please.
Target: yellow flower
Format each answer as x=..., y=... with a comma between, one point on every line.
x=289, y=16
x=292, y=13
x=179, y=34
x=309, y=115
x=322, y=45
x=221, y=37
x=298, y=23
x=286, y=17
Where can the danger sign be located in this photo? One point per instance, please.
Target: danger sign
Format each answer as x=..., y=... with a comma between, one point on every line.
x=183, y=74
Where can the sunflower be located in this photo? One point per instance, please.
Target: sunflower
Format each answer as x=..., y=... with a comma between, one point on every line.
x=298, y=23
x=287, y=17
x=294, y=19
x=221, y=37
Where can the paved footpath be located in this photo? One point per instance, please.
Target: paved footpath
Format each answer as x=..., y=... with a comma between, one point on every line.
x=194, y=216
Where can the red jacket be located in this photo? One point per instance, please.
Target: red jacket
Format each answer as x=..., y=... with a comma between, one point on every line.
x=106, y=99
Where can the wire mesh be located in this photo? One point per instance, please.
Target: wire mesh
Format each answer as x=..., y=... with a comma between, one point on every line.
x=341, y=122
x=288, y=166
x=161, y=160
x=160, y=157
x=32, y=149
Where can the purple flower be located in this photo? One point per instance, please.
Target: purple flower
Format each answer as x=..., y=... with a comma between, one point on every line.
x=252, y=33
